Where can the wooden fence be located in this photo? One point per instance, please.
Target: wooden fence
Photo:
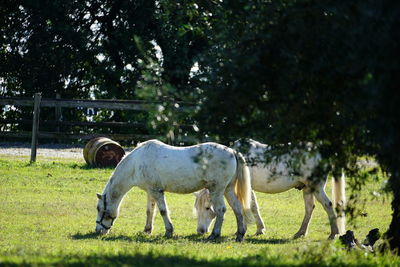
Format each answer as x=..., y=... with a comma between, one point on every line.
x=38, y=102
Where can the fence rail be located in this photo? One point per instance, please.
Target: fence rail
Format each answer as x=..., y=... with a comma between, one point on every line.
x=37, y=102
x=77, y=123
x=114, y=104
x=83, y=136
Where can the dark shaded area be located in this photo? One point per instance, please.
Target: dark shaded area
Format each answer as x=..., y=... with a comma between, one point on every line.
x=272, y=241
x=153, y=259
x=157, y=260
x=306, y=71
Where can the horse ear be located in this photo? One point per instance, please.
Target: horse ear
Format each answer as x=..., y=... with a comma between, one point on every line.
x=99, y=196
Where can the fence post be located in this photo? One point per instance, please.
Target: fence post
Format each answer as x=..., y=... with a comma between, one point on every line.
x=35, y=125
x=58, y=116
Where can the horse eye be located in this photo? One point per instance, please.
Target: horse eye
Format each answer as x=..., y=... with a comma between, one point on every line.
x=108, y=216
x=207, y=208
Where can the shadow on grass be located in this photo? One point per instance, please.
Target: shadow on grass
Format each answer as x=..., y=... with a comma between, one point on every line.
x=138, y=237
x=150, y=259
x=145, y=238
x=272, y=241
x=80, y=236
x=203, y=238
x=105, y=260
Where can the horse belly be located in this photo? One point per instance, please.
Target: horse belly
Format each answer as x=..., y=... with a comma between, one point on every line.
x=272, y=183
x=183, y=188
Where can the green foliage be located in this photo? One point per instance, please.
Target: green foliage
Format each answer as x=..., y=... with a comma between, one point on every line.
x=99, y=49
x=77, y=49
x=73, y=47
x=181, y=33
x=295, y=71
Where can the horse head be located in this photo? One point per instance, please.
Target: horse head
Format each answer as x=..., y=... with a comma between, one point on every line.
x=105, y=216
x=205, y=211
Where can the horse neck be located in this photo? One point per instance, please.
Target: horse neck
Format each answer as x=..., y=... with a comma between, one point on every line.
x=117, y=187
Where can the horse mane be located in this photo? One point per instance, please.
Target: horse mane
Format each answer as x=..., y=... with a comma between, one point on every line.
x=124, y=160
x=201, y=198
x=121, y=165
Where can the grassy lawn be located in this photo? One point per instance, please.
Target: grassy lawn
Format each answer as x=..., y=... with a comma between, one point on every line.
x=48, y=212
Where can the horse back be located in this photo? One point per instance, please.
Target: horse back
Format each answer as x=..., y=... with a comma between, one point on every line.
x=184, y=169
x=275, y=171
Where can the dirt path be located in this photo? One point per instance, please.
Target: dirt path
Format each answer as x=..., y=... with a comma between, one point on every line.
x=45, y=150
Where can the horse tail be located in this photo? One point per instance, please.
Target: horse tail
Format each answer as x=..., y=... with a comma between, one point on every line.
x=243, y=187
x=339, y=201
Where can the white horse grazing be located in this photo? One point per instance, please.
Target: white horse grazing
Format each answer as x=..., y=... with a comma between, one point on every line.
x=274, y=173
x=157, y=168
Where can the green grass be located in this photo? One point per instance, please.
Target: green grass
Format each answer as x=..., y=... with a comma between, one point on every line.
x=48, y=211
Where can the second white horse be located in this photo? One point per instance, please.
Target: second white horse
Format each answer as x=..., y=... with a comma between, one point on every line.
x=273, y=173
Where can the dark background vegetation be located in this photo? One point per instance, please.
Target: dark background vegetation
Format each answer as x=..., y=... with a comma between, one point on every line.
x=276, y=71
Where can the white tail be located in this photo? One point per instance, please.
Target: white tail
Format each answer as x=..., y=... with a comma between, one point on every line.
x=243, y=187
x=339, y=201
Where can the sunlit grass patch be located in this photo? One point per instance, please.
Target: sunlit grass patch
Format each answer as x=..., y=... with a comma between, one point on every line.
x=49, y=209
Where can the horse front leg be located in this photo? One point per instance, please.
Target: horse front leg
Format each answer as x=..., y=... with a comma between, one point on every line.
x=309, y=207
x=150, y=213
x=217, y=199
x=159, y=197
x=256, y=212
x=238, y=210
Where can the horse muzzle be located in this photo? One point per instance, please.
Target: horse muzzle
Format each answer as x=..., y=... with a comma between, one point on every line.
x=101, y=231
x=201, y=231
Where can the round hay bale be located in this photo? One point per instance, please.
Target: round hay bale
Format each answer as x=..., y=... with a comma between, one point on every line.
x=88, y=146
x=103, y=152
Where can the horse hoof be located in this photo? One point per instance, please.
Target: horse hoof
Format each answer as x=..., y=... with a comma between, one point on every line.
x=260, y=232
x=147, y=231
x=168, y=234
x=212, y=237
x=332, y=236
x=239, y=239
x=298, y=235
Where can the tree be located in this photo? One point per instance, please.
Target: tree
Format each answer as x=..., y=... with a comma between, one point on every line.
x=101, y=49
x=180, y=31
x=292, y=71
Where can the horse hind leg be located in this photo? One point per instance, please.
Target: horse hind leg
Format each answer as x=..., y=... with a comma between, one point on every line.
x=321, y=196
x=236, y=206
x=309, y=207
x=150, y=213
x=256, y=212
x=217, y=199
x=159, y=197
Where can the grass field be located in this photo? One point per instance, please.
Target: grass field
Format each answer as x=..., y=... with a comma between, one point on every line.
x=48, y=211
